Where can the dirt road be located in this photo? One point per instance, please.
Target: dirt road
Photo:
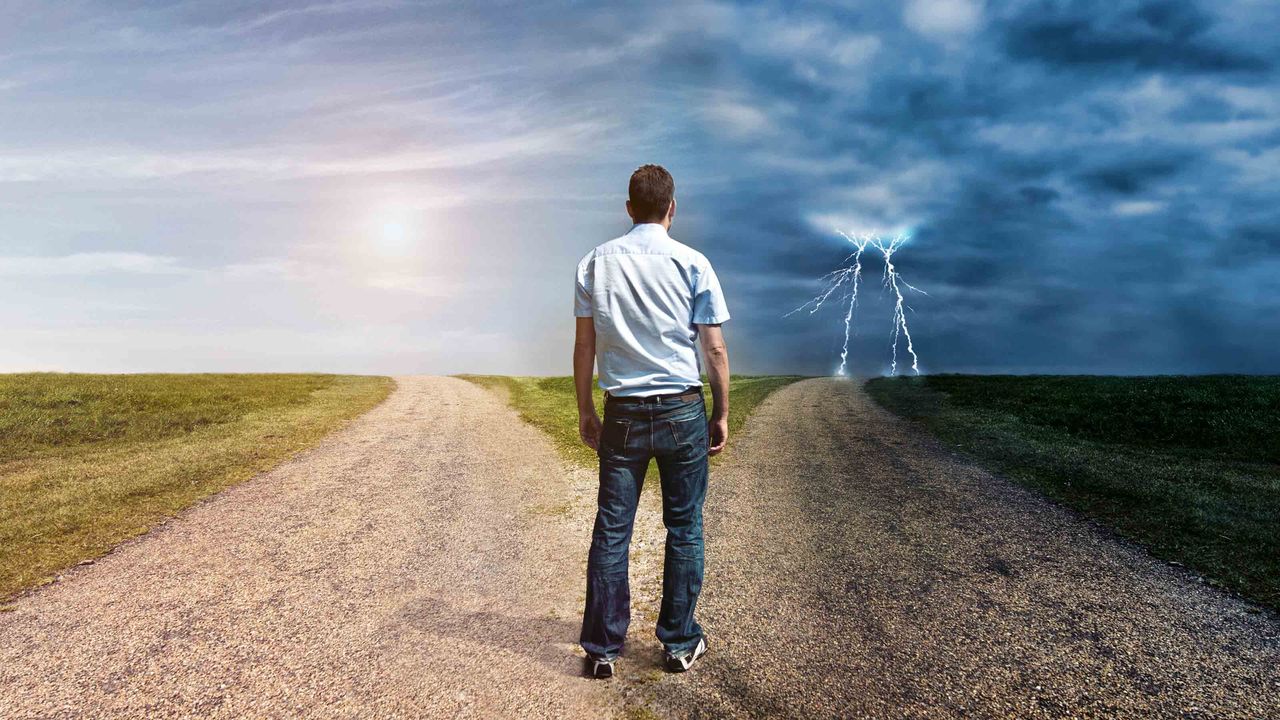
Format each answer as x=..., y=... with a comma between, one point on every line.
x=861, y=570
x=428, y=560
x=418, y=563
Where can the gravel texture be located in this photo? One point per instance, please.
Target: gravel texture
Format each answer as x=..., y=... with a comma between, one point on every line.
x=426, y=560
x=856, y=568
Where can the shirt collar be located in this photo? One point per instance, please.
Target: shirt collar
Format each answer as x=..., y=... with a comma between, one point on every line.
x=648, y=229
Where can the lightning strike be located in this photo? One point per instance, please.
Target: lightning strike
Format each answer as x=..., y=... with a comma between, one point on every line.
x=849, y=277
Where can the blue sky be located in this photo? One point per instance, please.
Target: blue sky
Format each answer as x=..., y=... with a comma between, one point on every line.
x=396, y=187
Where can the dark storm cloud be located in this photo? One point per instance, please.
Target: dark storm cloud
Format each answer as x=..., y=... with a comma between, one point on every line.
x=1135, y=175
x=1168, y=35
x=1065, y=189
x=1252, y=243
x=1038, y=195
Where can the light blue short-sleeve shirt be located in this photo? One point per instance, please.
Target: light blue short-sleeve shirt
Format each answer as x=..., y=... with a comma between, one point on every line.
x=647, y=295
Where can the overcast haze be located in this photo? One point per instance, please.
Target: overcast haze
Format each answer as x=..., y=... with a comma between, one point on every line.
x=391, y=187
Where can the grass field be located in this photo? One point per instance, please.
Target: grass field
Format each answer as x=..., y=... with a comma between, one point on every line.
x=548, y=404
x=1189, y=467
x=87, y=461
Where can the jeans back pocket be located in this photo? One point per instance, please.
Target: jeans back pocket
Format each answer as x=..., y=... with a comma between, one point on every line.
x=613, y=436
x=689, y=433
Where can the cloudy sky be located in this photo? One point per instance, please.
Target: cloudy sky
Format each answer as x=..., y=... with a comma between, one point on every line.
x=406, y=187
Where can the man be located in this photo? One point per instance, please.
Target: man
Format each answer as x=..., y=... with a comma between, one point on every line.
x=643, y=302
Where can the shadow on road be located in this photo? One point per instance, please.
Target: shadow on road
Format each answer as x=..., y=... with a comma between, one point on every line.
x=544, y=639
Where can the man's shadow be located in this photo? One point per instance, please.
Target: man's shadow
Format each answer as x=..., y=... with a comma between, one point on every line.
x=547, y=640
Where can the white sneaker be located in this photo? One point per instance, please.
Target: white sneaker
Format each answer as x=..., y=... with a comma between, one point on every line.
x=681, y=663
x=600, y=668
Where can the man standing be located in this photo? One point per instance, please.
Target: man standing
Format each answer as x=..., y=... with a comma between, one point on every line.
x=643, y=302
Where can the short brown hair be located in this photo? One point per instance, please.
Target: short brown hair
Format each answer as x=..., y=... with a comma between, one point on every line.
x=651, y=191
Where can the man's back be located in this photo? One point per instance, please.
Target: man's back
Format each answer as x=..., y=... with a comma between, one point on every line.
x=644, y=303
x=646, y=294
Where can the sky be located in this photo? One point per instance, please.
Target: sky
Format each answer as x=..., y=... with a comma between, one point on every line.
x=392, y=187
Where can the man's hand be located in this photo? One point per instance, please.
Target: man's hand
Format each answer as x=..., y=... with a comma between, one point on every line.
x=584, y=359
x=717, y=357
x=589, y=429
x=718, y=434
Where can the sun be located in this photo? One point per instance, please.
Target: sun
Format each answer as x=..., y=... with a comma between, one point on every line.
x=393, y=234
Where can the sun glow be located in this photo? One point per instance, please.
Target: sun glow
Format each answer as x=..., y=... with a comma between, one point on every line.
x=394, y=236
x=393, y=232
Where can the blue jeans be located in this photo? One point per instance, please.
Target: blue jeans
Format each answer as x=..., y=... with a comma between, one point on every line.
x=675, y=433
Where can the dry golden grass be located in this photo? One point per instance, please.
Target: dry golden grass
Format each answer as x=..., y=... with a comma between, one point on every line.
x=87, y=461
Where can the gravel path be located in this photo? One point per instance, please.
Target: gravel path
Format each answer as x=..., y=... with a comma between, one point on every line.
x=858, y=569
x=424, y=561
x=428, y=560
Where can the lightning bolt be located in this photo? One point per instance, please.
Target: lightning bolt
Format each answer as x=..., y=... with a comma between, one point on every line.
x=856, y=277
x=849, y=276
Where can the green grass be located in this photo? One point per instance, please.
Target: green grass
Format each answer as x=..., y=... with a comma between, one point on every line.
x=1189, y=467
x=87, y=461
x=548, y=404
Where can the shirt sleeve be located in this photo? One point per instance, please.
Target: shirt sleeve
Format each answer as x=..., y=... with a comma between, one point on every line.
x=709, y=307
x=582, y=291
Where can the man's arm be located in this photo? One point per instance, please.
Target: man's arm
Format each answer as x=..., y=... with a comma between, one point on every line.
x=716, y=354
x=584, y=360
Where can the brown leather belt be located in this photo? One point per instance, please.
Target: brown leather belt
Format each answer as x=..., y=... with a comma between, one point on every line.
x=687, y=396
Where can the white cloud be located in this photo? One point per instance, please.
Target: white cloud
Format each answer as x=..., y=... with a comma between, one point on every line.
x=267, y=268
x=269, y=162
x=1253, y=99
x=1135, y=208
x=326, y=8
x=854, y=50
x=423, y=285
x=331, y=276
x=1260, y=168
x=818, y=50
x=91, y=263
x=833, y=223
x=737, y=118
x=889, y=200
x=942, y=18
x=1151, y=97
x=1023, y=136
